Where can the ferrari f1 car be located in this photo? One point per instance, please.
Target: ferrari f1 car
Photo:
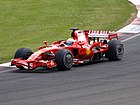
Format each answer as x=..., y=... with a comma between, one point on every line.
x=83, y=46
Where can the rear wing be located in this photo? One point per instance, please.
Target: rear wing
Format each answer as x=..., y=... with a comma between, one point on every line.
x=103, y=34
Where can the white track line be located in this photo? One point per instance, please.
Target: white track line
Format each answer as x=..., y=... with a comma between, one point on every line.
x=6, y=64
x=6, y=71
x=127, y=39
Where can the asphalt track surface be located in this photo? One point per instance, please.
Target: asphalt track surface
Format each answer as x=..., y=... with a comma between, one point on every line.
x=101, y=83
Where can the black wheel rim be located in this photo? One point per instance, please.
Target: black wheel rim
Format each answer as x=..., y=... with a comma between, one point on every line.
x=120, y=51
x=68, y=60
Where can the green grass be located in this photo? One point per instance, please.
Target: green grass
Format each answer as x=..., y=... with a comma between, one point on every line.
x=27, y=23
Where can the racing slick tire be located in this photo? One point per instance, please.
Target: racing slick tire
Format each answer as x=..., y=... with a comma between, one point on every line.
x=64, y=59
x=115, y=51
x=23, y=53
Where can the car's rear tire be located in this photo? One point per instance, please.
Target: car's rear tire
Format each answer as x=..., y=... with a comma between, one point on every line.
x=23, y=53
x=64, y=59
x=115, y=51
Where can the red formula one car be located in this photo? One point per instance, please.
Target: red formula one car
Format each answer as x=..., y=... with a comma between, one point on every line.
x=83, y=46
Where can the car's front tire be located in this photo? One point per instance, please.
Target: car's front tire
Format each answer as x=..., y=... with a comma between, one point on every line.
x=64, y=59
x=23, y=53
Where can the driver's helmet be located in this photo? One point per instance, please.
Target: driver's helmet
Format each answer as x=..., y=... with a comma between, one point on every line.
x=70, y=41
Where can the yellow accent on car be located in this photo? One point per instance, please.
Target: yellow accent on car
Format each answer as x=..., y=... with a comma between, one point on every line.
x=87, y=51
